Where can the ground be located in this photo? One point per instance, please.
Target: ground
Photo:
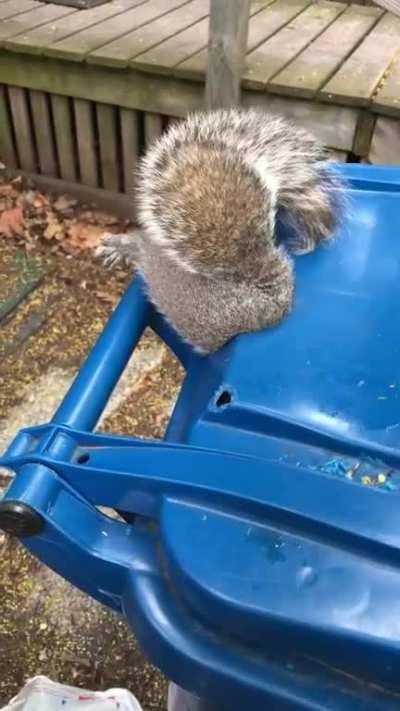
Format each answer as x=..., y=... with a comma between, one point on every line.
x=46, y=626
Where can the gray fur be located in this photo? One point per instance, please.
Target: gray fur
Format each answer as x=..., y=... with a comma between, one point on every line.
x=208, y=193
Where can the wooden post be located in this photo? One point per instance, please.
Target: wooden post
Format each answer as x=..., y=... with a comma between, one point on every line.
x=229, y=20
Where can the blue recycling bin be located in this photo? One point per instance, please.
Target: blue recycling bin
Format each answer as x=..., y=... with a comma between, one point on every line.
x=259, y=568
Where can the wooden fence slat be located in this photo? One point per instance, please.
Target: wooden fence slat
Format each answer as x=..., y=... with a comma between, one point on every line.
x=315, y=65
x=10, y=8
x=174, y=121
x=80, y=44
x=359, y=76
x=107, y=129
x=86, y=142
x=364, y=133
x=385, y=146
x=227, y=43
x=274, y=54
x=62, y=119
x=43, y=133
x=261, y=26
x=8, y=154
x=37, y=16
x=35, y=40
x=152, y=128
x=120, y=51
x=130, y=146
x=22, y=128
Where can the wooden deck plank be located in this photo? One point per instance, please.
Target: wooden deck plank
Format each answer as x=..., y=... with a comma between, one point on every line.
x=35, y=40
x=130, y=146
x=85, y=141
x=129, y=89
x=334, y=126
x=35, y=17
x=163, y=57
x=22, y=128
x=10, y=8
x=311, y=69
x=261, y=26
x=43, y=133
x=63, y=131
x=120, y=51
x=107, y=128
x=387, y=97
x=8, y=154
x=274, y=54
x=359, y=76
x=76, y=47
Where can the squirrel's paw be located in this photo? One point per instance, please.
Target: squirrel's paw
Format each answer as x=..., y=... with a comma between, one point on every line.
x=117, y=248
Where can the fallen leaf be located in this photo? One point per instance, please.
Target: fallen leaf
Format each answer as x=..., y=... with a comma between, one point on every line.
x=84, y=236
x=6, y=189
x=28, y=197
x=64, y=203
x=99, y=218
x=40, y=201
x=54, y=228
x=12, y=222
x=107, y=298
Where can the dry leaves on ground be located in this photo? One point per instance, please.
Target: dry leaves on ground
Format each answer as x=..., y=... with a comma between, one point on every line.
x=12, y=222
x=61, y=222
x=83, y=235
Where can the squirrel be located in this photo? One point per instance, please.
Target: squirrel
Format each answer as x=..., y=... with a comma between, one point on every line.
x=210, y=192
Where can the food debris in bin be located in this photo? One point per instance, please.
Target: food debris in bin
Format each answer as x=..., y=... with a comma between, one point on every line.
x=366, y=473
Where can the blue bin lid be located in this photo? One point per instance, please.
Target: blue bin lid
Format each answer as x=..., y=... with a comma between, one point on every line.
x=318, y=400
x=264, y=569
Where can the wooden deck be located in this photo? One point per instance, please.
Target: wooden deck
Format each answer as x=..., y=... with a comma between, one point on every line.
x=328, y=51
x=332, y=66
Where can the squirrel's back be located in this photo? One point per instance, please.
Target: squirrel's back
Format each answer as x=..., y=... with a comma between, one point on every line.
x=210, y=188
x=207, y=209
x=209, y=192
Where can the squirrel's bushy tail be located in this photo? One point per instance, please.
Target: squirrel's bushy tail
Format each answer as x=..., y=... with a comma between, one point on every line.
x=312, y=209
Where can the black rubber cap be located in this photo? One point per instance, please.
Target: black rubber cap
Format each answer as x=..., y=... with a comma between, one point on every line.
x=19, y=519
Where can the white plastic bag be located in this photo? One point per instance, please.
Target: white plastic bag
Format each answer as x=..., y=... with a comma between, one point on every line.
x=41, y=694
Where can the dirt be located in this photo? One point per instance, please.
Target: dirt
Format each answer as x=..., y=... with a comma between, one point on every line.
x=46, y=626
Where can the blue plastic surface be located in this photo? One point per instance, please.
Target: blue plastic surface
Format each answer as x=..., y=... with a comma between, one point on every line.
x=262, y=570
